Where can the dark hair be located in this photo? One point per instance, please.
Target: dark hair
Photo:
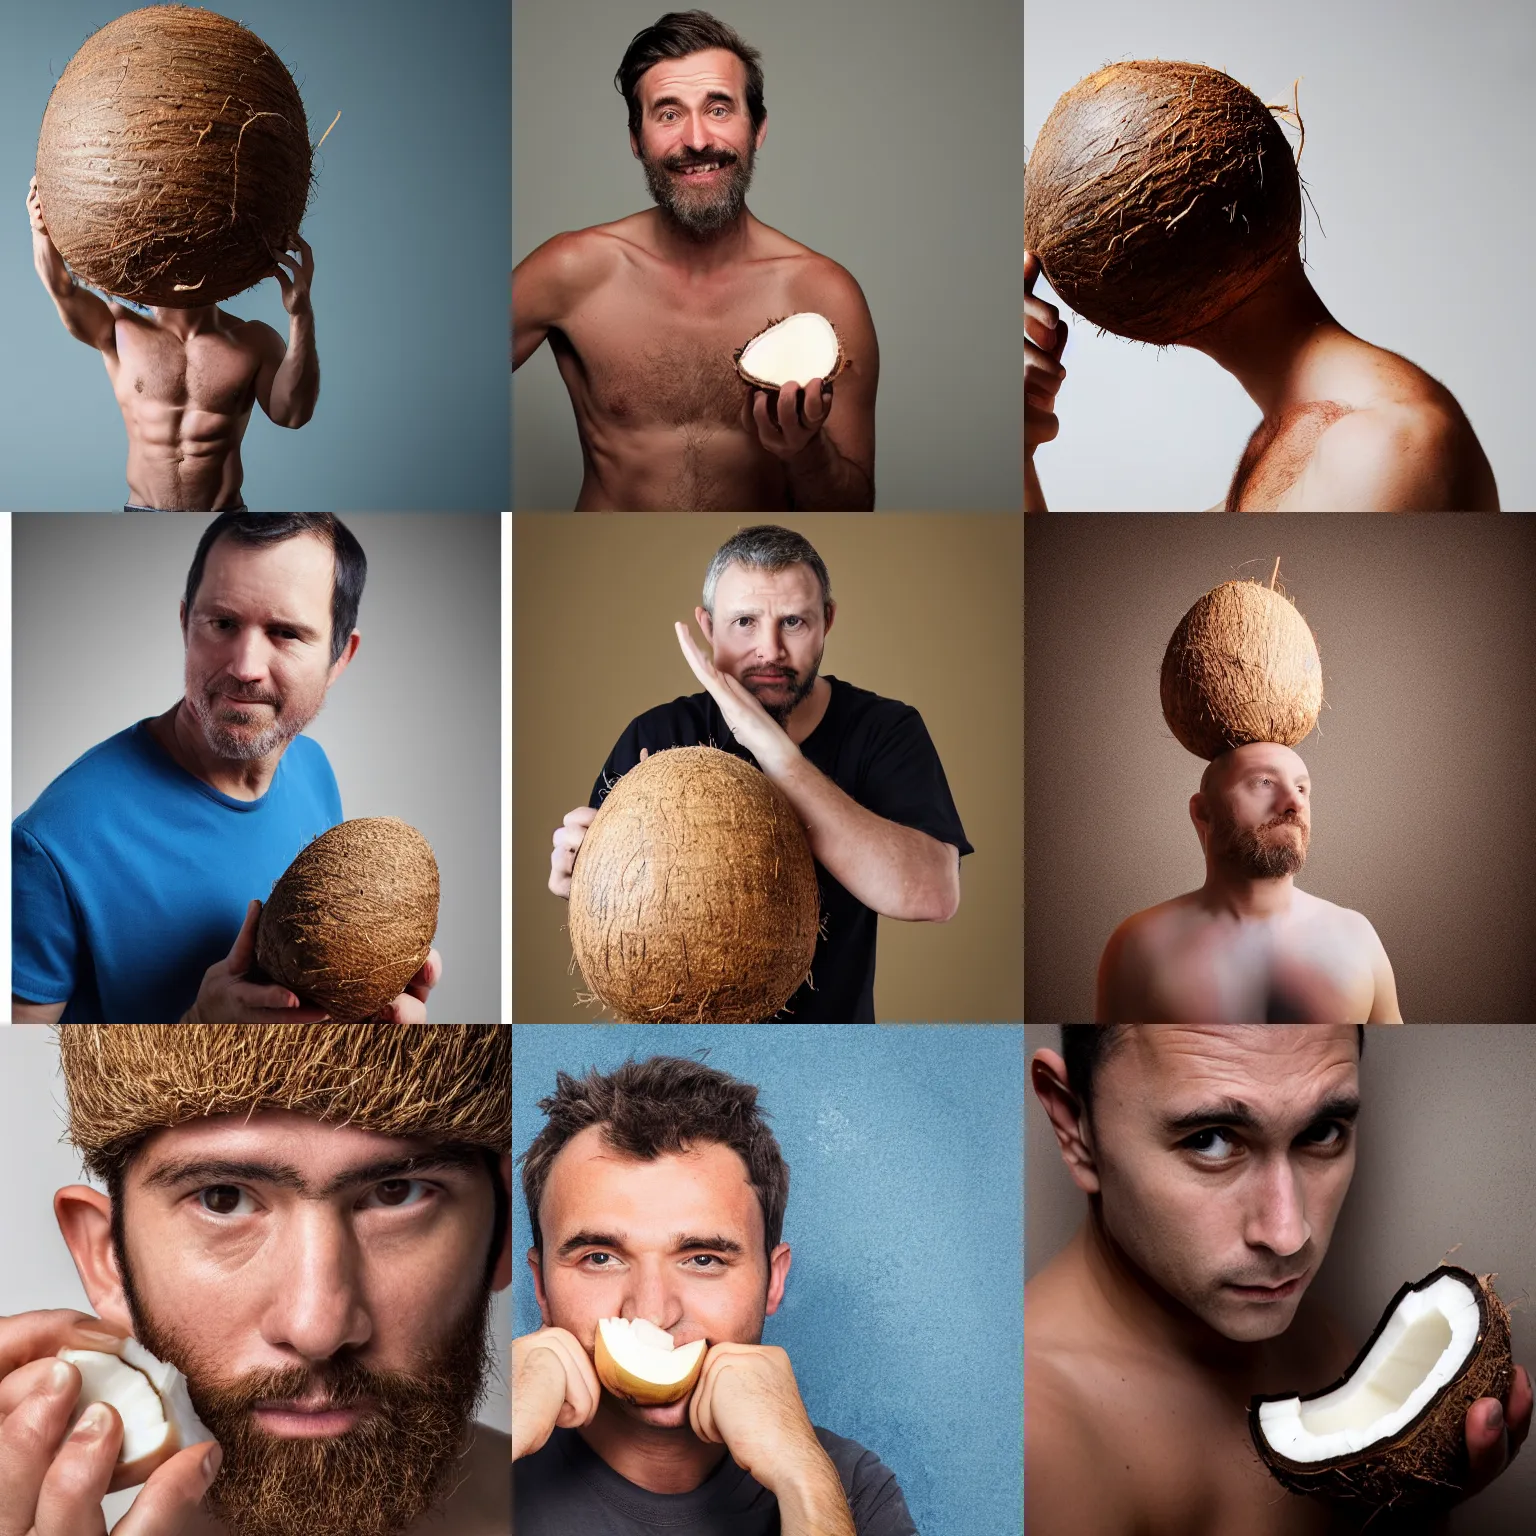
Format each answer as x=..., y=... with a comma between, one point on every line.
x=675, y=36
x=255, y=529
x=648, y=1108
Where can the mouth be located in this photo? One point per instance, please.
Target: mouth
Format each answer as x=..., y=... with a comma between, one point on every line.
x=1263, y=1293
x=703, y=171
x=310, y=1419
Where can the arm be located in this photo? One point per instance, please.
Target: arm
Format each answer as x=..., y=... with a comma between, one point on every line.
x=288, y=383
x=1114, y=1000
x=86, y=317
x=546, y=283
x=23, y=1012
x=1384, y=1005
x=1045, y=335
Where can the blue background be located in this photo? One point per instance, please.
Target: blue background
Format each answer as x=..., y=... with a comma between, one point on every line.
x=410, y=222
x=904, y=1309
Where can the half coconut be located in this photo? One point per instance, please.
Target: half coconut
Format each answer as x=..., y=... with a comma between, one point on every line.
x=639, y=1362
x=792, y=351
x=1392, y=1430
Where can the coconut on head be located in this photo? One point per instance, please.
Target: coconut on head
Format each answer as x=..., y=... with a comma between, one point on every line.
x=1159, y=196
x=693, y=896
x=174, y=158
x=791, y=351
x=1392, y=1430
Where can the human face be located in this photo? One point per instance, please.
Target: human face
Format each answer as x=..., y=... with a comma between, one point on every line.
x=696, y=141
x=259, y=644
x=1260, y=811
x=325, y=1291
x=768, y=631
x=677, y=1240
x=1223, y=1154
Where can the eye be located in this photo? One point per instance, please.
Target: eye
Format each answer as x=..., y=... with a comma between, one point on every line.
x=1212, y=1145
x=1329, y=1136
x=704, y=1262
x=589, y=1261
x=793, y=623
x=225, y=1200
x=396, y=1193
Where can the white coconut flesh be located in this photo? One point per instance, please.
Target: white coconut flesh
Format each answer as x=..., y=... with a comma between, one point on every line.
x=796, y=350
x=1424, y=1345
x=647, y=1354
x=150, y=1397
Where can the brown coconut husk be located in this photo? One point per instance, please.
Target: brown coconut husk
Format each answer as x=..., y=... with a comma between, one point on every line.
x=1427, y=1462
x=446, y=1082
x=353, y=917
x=693, y=897
x=841, y=366
x=1242, y=666
x=174, y=158
x=1159, y=196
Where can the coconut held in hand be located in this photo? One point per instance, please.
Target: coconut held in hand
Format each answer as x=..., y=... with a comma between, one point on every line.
x=174, y=158
x=353, y=917
x=693, y=897
x=792, y=351
x=1159, y=196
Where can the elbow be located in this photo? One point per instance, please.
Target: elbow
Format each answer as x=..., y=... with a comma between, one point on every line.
x=941, y=902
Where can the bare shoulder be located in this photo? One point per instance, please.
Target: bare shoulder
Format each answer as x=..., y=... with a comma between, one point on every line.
x=566, y=268
x=257, y=335
x=1342, y=920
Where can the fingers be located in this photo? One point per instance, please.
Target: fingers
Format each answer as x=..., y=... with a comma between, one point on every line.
x=169, y=1501
x=645, y=752
x=39, y=1335
x=1487, y=1441
x=29, y=1438
x=1031, y=272
x=580, y=818
x=701, y=1406
x=405, y=1009
x=247, y=1003
x=1518, y=1412
x=78, y=1478
x=243, y=954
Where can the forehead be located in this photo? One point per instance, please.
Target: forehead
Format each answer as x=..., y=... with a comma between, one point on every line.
x=794, y=586
x=694, y=76
x=290, y=573
x=1266, y=757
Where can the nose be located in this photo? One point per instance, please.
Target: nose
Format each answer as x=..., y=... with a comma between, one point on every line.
x=315, y=1305
x=249, y=652
x=697, y=135
x=1276, y=1217
x=651, y=1295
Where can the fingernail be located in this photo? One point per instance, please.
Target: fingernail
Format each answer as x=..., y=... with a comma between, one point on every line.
x=60, y=1379
x=93, y=1422
x=100, y=1335
x=211, y=1463
x=1496, y=1416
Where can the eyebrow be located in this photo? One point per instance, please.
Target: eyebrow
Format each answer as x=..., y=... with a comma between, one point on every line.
x=677, y=101
x=204, y=1171
x=680, y=1242
x=1234, y=1112
x=756, y=613
x=218, y=611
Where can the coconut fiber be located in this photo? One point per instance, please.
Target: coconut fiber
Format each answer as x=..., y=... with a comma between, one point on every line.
x=353, y=917
x=174, y=159
x=693, y=897
x=446, y=1082
x=1159, y=196
x=1242, y=666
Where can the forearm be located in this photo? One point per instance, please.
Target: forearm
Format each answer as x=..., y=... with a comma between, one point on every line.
x=814, y=1503
x=822, y=480
x=1034, y=497
x=296, y=386
x=56, y=276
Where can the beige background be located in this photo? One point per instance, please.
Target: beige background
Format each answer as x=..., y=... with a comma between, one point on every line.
x=1423, y=818
x=1447, y=1155
x=929, y=612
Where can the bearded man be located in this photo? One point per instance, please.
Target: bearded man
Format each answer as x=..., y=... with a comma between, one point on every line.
x=1248, y=947
x=644, y=315
x=308, y=1222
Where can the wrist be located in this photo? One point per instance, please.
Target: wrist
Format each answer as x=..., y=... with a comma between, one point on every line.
x=811, y=1498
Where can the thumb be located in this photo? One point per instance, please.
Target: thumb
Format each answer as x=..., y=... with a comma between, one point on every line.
x=168, y=1502
x=645, y=752
x=243, y=956
x=1031, y=271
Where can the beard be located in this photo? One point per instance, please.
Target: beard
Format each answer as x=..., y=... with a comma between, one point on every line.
x=695, y=211
x=1266, y=852
x=228, y=728
x=798, y=684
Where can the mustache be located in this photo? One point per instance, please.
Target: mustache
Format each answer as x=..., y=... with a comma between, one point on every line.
x=233, y=693
x=688, y=157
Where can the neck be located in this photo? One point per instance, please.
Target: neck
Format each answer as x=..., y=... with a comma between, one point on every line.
x=702, y=254
x=241, y=779
x=1246, y=896
x=658, y=1460
x=186, y=322
x=807, y=714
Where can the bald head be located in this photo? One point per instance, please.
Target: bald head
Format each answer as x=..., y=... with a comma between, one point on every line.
x=1253, y=811
x=1253, y=756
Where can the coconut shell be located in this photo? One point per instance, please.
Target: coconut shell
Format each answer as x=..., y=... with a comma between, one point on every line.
x=693, y=896
x=1242, y=666
x=1426, y=1462
x=758, y=383
x=1159, y=196
x=174, y=158
x=353, y=917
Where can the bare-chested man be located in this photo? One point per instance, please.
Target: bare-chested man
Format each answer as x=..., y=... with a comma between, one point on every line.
x=186, y=379
x=644, y=315
x=1215, y=1161
x=1348, y=427
x=1248, y=947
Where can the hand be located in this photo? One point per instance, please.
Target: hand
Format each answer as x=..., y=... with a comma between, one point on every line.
x=749, y=722
x=411, y=1006
x=1495, y=1431
x=294, y=273
x=1045, y=334
x=787, y=422
x=35, y=211
x=562, y=859
x=553, y=1385
x=52, y=1484
x=226, y=997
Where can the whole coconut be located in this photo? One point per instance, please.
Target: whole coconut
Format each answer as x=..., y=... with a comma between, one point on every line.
x=693, y=896
x=1242, y=666
x=174, y=158
x=353, y=917
x=1158, y=197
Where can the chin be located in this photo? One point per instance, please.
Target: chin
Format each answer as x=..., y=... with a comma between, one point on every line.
x=668, y=1416
x=1251, y=1322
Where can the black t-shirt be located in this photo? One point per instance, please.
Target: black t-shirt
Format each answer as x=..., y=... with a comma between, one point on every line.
x=567, y=1489
x=879, y=753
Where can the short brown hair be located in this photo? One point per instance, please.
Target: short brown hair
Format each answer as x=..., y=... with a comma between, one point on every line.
x=666, y=1104
x=675, y=36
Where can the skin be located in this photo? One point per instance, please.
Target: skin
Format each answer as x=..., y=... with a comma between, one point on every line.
x=271, y=1277
x=766, y=625
x=258, y=650
x=644, y=318
x=1140, y=1356
x=1241, y=948
x=1347, y=426
x=680, y=1242
x=186, y=379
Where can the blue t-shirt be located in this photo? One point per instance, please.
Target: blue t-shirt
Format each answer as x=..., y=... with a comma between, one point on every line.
x=130, y=877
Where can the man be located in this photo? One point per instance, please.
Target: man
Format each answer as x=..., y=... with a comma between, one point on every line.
x=138, y=874
x=309, y=1222
x=859, y=769
x=1248, y=946
x=658, y=1192
x=645, y=315
x=186, y=379
x=1215, y=1161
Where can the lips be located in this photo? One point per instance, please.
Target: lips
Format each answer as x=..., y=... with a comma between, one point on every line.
x=1270, y=1291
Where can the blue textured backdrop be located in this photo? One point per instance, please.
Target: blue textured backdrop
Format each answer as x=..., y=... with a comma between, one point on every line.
x=411, y=229
x=903, y=1314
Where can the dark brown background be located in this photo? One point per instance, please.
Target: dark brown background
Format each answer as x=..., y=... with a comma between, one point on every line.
x=1423, y=764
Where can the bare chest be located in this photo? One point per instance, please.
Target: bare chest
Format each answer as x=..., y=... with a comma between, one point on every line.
x=1277, y=456
x=205, y=373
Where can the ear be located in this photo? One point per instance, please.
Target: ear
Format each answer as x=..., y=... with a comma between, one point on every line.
x=1048, y=1077
x=538, y=1286
x=762, y=132
x=634, y=145
x=831, y=614
x=84, y=1216
x=183, y=615
x=501, y=1276
x=701, y=617
x=349, y=650
x=778, y=1273
x=1200, y=814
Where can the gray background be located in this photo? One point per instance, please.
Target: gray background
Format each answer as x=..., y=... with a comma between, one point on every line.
x=38, y=1272
x=889, y=149
x=412, y=727
x=1417, y=157
x=1446, y=1157
x=409, y=226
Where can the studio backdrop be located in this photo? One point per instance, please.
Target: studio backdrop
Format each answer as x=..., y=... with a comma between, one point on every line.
x=1420, y=815
x=902, y=1314
x=889, y=149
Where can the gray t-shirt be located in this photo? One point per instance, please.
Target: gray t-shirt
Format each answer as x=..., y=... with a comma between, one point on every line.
x=567, y=1489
